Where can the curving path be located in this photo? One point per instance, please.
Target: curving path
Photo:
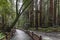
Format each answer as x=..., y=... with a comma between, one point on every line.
x=20, y=35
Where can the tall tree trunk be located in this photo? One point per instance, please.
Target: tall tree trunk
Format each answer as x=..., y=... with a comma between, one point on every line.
x=55, y=4
x=17, y=8
x=58, y=12
x=51, y=13
x=46, y=11
x=36, y=14
x=2, y=21
x=40, y=13
x=31, y=14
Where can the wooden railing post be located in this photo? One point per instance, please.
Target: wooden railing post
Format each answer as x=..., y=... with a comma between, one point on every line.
x=40, y=38
x=32, y=34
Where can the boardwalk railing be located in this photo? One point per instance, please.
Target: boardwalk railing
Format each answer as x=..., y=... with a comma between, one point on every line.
x=34, y=36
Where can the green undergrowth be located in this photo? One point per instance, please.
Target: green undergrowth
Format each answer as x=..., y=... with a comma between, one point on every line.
x=2, y=35
x=49, y=29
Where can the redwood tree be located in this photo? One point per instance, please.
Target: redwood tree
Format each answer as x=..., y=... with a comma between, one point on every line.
x=51, y=13
x=41, y=13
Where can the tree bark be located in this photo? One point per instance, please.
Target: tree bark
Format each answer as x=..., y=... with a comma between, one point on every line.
x=55, y=4
x=2, y=21
x=36, y=14
x=40, y=13
x=51, y=13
